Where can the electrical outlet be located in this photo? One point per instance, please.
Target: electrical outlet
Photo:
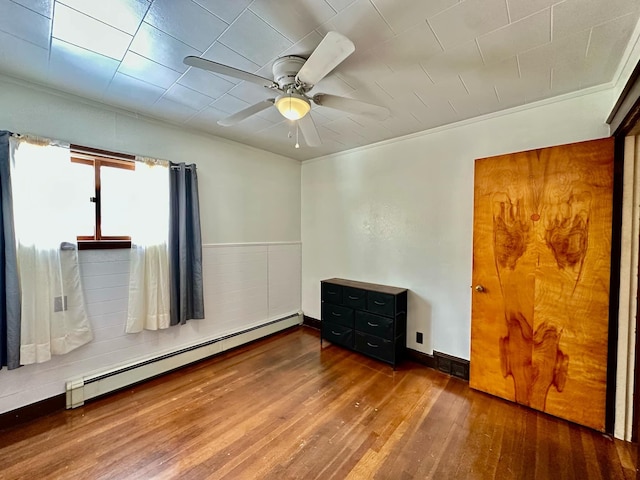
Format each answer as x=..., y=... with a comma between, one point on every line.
x=419, y=337
x=59, y=304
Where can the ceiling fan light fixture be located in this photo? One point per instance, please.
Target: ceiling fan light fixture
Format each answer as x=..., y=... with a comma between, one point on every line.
x=292, y=106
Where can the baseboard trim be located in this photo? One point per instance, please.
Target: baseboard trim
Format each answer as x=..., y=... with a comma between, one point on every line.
x=32, y=411
x=311, y=322
x=421, y=358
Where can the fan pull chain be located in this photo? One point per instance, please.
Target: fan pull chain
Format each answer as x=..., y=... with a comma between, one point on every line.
x=297, y=129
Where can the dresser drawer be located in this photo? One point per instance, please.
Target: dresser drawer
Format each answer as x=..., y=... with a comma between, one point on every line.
x=354, y=298
x=375, y=346
x=374, y=325
x=337, y=334
x=331, y=293
x=337, y=314
x=381, y=303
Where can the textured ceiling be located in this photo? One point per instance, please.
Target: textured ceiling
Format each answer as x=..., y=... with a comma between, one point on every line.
x=431, y=62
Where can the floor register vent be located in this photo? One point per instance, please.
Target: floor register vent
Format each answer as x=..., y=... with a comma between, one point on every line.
x=84, y=388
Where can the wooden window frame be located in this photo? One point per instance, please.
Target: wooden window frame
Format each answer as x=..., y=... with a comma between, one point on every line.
x=98, y=159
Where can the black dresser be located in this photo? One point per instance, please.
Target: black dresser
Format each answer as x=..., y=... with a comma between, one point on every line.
x=365, y=317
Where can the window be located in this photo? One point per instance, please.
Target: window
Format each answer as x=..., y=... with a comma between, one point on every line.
x=107, y=179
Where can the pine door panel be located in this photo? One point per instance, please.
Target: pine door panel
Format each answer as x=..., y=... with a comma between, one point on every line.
x=541, y=267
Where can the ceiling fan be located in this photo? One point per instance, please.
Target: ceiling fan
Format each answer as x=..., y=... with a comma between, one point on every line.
x=293, y=78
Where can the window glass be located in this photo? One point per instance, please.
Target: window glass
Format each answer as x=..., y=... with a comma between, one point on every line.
x=85, y=209
x=116, y=187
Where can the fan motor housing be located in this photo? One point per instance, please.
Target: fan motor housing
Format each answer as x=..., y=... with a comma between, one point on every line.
x=285, y=70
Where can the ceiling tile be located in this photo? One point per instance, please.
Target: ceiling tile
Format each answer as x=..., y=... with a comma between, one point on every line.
x=570, y=50
x=305, y=46
x=498, y=74
x=468, y=20
x=607, y=39
x=226, y=10
x=207, y=117
x=339, y=5
x=161, y=47
x=256, y=123
x=268, y=42
x=294, y=19
x=173, y=111
x=186, y=21
x=125, y=15
x=205, y=82
x=188, y=97
x=24, y=23
x=401, y=18
x=363, y=68
x=86, y=32
x=251, y=93
x=127, y=91
x=518, y=9
x=230, y=104
x=142, y=68
x=332, y=84
x=14, y=50
x=453, y=90
x=572, y=16
x=409, y=78
x=43, y=7
x=221, y=54
x=452, y=62
x=271, y=114
x=478, y=104
x=80, y=71
x=564, y=78
x=525, y=34
x=362, y=23
x=412, y=46
x=538, y=87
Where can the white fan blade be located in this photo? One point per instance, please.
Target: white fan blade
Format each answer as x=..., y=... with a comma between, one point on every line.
x=350, y=105
x=229, y=71
x=246, y=113
x=331, y=51
x=309, y=131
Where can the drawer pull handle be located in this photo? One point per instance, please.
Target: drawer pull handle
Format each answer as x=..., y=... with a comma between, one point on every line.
x=372, y=345
x=372, y=324
x=351, y=297
x=379, y=303
x=337, y=334
x=336, y=314
x=329, y=292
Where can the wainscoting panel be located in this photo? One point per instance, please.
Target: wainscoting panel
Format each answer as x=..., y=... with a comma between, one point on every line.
x=246, y=285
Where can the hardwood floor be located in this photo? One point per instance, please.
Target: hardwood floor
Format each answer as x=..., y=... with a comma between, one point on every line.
x=282, y=408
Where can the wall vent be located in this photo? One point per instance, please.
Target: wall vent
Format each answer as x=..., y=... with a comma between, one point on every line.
x=451, y=365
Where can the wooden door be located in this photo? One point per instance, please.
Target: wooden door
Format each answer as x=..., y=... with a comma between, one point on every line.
x=541, y=264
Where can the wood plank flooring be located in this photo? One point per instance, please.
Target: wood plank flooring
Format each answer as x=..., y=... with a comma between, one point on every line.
x=283, y=408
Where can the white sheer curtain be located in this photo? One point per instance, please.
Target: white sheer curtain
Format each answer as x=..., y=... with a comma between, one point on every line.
x=149, y=297
x=45, y=199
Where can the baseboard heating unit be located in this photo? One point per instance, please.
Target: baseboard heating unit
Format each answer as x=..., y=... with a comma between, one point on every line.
x=81, y=389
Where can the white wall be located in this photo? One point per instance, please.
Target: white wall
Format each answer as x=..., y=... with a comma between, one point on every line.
x=401, y=213
x=250, y=215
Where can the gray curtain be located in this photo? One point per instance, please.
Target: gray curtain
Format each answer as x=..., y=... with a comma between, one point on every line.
x=185, y=245
x=9, y=284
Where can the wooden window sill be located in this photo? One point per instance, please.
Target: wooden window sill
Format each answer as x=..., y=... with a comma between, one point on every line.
x=103, y=244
